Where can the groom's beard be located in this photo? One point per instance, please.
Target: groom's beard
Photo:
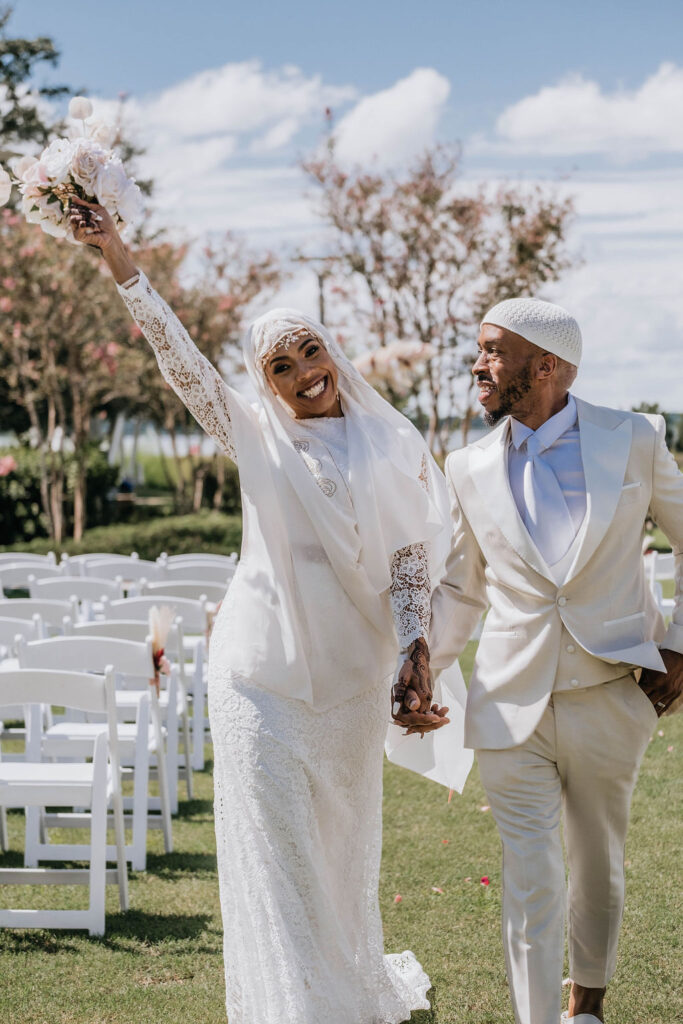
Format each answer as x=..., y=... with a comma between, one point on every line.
x=508, y=398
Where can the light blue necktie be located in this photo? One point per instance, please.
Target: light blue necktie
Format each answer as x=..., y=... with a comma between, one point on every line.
x=546, y=516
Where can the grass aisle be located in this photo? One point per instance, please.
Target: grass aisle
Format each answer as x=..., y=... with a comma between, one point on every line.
x=162, y=961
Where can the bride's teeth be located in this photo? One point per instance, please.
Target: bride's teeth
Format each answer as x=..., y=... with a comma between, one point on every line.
x=316, y=390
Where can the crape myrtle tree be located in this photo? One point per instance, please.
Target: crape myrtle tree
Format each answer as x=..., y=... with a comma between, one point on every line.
x=71, y=353
x=421, y=258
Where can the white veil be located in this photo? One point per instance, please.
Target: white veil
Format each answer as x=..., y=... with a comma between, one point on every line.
x=399, y=497
x=398, y=492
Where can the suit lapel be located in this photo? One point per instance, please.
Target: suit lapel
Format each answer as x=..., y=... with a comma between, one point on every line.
x=489, y=473
x=605, y=439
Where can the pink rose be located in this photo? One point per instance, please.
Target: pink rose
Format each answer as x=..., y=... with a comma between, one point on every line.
x=7, y=465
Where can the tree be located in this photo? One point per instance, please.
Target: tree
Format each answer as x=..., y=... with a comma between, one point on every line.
x=421, y=260
x=672, y=433
x=22, y=118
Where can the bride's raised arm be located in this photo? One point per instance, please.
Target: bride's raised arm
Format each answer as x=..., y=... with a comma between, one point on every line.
x=193, y=378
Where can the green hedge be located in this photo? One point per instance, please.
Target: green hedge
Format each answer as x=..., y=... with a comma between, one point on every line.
x=176, y=535
x=21, y=515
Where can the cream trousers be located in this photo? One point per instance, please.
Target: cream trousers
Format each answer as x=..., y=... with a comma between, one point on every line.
x=581, y=762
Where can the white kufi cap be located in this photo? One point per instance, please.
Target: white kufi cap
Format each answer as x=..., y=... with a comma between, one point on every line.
x=544, y=324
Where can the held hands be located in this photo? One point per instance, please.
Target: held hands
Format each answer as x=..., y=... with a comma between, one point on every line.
x=412, y=693
x=665, y=689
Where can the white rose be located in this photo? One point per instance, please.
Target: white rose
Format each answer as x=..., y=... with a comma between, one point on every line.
x=22, y=165
x=56, y=230
x=56, y=160
x=80, y=108
x=32, y=204
x=103, y=133
x=86, y=160
x=37, y=208
x=110, y=184
x=130, y=204
x=5, y=186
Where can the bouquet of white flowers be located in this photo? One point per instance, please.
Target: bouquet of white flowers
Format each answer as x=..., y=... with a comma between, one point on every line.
x=83, y=166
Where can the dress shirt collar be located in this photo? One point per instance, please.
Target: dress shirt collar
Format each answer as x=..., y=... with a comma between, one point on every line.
x=548, y=432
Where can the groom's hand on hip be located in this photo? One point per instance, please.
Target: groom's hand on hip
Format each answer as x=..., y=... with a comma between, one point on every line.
x=664, y=688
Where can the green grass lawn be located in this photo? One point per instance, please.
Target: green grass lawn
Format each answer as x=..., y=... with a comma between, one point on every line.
x=161, y=963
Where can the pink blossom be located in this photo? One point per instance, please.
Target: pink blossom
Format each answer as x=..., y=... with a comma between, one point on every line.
x=6, y=304
x=7, y=465
x=9, y=283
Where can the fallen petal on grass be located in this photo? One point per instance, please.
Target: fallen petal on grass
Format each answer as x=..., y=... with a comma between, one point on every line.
x=398, y=898
x=435, y=888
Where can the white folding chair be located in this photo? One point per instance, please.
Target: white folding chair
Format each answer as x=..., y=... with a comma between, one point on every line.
x=194, y=624
x=52, y=613
x=16, y=575
x=73, y=564
x=10, y=630
x=659, y=567
x=95, y=785
x=138, y=631
x=229, y=561
x=139, y=740
x=195, y=590
x=129, y=570
x=88, y=592
x=24, y=556
x=205, y=572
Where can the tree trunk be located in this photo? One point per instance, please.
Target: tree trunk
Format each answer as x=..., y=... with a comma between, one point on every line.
x=220, y=483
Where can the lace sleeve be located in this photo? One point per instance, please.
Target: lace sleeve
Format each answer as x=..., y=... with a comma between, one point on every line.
x=193, y=378
x=410, y=594
x=411, y=588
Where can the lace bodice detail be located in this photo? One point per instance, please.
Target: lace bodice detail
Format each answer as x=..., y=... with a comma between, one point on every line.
x=193, y=378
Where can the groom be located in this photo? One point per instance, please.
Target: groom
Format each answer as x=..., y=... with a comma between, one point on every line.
x=574, y=664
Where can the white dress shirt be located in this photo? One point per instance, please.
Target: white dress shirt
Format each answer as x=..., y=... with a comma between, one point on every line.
x=558, y=439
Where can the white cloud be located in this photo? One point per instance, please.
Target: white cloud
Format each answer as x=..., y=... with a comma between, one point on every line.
x=395, y=124
x=576, y=116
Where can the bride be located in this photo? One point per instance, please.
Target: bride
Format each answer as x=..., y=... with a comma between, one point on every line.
x=345, y=524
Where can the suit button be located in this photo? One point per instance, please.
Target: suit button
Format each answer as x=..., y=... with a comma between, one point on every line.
x=570, y=648
x=573, y=682
x=562, y=601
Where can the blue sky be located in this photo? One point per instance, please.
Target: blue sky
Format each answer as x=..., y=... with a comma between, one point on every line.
x=585, y=97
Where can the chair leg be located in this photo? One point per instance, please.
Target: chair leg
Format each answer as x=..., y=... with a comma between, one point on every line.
x=198, y=711
x=98, y=842
x=4, y=834
x=171, y=751
x=140, y=798
x=187, y=750
x=32, y=843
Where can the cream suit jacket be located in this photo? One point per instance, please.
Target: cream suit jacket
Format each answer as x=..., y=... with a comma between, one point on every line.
x=540, y=636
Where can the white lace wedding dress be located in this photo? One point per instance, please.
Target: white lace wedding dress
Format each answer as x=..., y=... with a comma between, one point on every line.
x=298, y=791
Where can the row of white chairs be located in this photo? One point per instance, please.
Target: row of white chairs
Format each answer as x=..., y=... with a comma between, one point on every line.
x=150, y=728
x=20, y=574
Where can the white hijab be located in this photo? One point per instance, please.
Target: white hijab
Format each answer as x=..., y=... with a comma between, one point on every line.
x=398, y=492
